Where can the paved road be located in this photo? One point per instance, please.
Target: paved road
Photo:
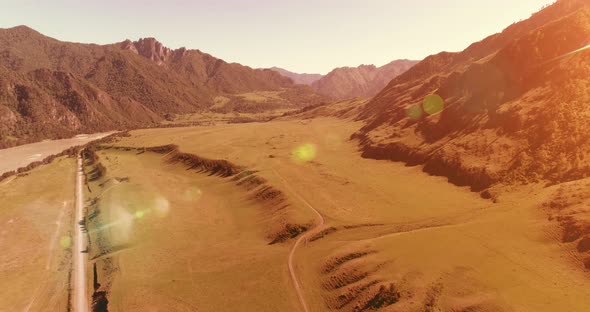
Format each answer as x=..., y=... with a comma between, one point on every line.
x=301, y=239
x=80, y=294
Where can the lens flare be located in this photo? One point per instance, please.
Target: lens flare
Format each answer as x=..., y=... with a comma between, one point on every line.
x=414, y=112
x=161, y=206
x=139, y=214
x=433, y=104
x=304, y=153
x=584, y=48
x=65, y=242
x=192, y=194
x=121, y=224
x=128, y=209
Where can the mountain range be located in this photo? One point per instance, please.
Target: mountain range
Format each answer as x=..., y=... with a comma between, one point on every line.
x=53, y=89
x=510, y=108
x=304, y=79
x=342, y=83
x=363, y=81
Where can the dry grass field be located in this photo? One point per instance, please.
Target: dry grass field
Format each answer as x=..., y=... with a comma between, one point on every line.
x=431, y=245
x=36, y=224
x=170, y=232
x=168, y=238
x=212, y=118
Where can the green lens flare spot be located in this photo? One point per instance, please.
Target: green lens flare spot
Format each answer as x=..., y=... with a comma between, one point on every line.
x=414, y=112
x=304, y=153
x=139, y=214
x=65, y=242
x=433, y=104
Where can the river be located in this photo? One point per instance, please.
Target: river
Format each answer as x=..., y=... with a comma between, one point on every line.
x=20, y=156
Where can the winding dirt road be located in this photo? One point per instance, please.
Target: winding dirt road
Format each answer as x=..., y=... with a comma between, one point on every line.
x=301, y=238
x=80, y=297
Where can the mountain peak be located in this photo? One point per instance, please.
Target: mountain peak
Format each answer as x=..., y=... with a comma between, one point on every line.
x=22, y=30
x=366, y=80
x=367, y=66
x=149, y=48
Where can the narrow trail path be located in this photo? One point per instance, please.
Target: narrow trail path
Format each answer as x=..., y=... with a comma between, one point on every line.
x=80, y=303
x=301, y=239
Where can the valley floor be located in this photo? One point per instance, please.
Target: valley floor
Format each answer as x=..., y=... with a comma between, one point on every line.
x=439, y=245
x=165, y=235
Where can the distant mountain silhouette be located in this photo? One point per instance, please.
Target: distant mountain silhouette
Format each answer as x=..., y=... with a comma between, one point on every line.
x=304, y=79
x=363, y=81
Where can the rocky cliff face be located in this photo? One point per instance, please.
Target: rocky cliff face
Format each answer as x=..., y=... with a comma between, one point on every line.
x=149, y=48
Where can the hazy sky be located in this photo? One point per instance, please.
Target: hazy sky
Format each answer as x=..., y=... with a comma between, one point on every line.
x=300, y=35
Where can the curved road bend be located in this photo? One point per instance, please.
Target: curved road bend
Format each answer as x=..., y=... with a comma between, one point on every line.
x=80, y=295
x=299, y=241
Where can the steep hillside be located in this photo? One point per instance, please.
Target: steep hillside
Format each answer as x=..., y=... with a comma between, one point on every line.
x=53, y=89
x=304, y=79
x=55, y=104
x=363, y=81
x=507, y=109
